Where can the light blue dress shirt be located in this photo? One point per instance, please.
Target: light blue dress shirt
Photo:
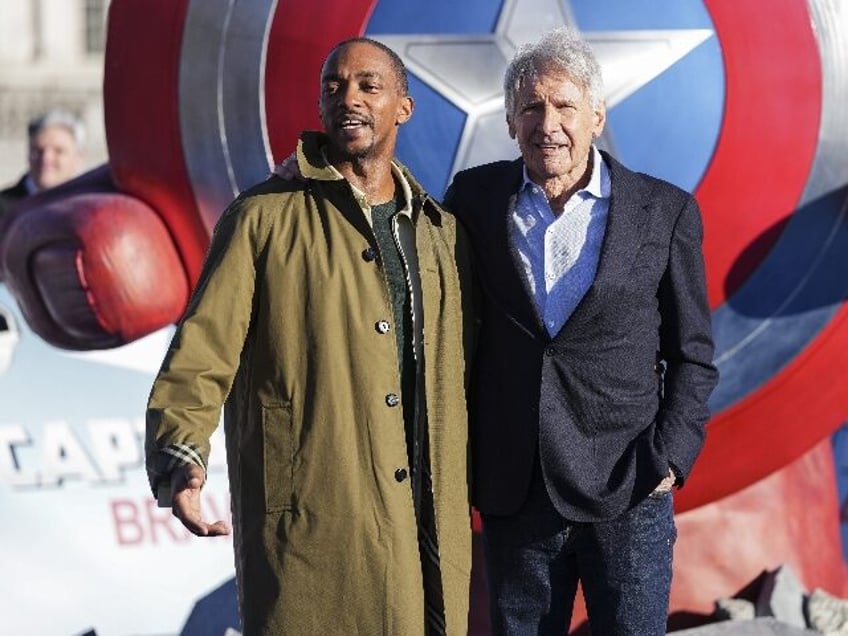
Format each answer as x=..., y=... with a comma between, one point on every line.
x=559, y=254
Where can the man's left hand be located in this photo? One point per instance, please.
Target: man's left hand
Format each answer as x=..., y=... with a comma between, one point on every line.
x=667, y=483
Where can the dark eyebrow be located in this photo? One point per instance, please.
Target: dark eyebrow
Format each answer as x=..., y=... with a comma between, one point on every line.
x=531, y=102
x=331, y=77
x=369, y=75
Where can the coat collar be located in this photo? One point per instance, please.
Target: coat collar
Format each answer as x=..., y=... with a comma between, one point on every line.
x=312, y=163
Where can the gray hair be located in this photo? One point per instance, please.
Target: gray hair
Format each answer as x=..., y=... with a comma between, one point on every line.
x=562, y=49
x=58, y=117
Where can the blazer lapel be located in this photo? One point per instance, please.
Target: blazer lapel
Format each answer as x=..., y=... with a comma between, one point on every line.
x=622, y=238
x=625, y=226
x=504, y=268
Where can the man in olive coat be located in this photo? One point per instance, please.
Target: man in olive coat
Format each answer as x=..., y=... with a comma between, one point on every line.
x=328, y=321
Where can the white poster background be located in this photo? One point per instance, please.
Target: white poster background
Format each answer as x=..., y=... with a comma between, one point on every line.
x=82, y=544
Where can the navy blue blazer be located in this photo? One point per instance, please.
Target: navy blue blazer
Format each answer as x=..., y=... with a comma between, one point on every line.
x=589, y=402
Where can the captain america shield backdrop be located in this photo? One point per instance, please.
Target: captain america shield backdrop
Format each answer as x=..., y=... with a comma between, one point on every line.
x=741, y=108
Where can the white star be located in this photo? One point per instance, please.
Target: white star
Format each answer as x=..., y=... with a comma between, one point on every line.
x=468, y=69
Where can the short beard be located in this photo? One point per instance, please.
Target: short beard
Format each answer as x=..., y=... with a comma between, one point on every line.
x=357, y=154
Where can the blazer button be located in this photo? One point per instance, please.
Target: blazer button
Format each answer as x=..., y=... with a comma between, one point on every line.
x=392, y=399
x=550, y=351
x=400, y=475
x=383, y=326
x=369, y=254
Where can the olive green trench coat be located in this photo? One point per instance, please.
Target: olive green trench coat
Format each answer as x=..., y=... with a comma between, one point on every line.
x=285, y=325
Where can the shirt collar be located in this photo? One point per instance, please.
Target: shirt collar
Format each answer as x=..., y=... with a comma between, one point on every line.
x=29, y=184
x=599, y=185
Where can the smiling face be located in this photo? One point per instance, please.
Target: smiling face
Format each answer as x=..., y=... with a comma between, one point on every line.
x=54, y=157
x=362, y=102
x=554, y=122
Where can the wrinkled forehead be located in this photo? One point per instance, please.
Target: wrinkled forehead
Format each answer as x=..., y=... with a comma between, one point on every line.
x=54, y=135
x=550, y=79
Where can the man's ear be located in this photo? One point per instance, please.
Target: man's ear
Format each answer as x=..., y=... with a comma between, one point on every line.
x=600, y=120
x=405, y=110
x=510, y=128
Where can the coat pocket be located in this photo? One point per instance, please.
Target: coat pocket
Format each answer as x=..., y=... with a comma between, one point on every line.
x=277, y=456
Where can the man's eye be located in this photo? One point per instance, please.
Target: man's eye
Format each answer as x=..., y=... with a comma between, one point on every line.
x=330, y=89
x=370, y=88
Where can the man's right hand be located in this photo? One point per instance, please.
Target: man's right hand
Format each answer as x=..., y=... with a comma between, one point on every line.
x=186, y=483
x=287, y=169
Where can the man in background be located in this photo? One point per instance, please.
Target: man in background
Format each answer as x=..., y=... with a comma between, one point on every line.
x=56, y=142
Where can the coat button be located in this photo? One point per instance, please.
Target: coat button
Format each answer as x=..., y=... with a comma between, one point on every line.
x=383, y=326
x=550, y=351
x=392, y=399
x=369, y=254
x=400, y=474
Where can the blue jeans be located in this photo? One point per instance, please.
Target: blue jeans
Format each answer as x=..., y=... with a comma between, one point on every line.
x=535, y=558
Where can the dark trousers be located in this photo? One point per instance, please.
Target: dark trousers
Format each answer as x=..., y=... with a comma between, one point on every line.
x=535, y=558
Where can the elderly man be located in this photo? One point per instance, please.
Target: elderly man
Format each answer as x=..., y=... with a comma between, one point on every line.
x=594, y=363
x=329, y=318
x=56, y=154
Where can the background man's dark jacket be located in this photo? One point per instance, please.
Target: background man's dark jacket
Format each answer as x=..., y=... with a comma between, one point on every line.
x=11, y=195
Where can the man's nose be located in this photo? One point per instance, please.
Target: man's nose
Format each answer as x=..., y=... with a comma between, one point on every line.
x=551, y=120
x=48, y=158
x=351, y=95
